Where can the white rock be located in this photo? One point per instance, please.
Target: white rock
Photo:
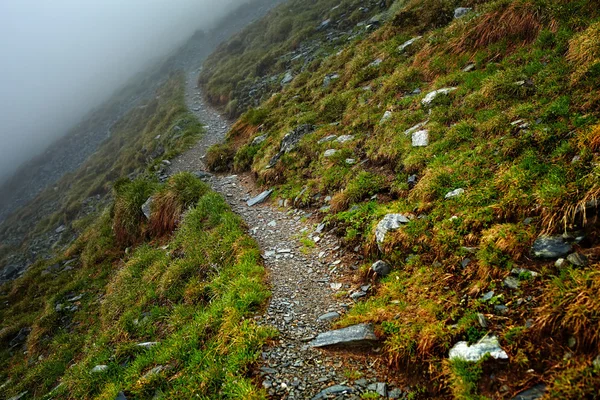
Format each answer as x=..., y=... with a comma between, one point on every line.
x=428, y=99
x=404, y=45
x=386, y=116
x=415, y=128
x=99, y=368
x=345, y=138
x=350, y=161
x=487, y=345
x=327, y=139
x=454, y=193
x=389, y=223
x=420, y=138
x=147, y=345
x=329, y=153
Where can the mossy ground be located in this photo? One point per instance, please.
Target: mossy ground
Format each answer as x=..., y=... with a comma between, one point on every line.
x=519, y=135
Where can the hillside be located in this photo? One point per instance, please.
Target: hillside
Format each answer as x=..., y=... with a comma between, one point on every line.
x=458, y=145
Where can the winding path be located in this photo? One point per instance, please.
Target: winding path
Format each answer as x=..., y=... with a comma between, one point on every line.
x=304, y=281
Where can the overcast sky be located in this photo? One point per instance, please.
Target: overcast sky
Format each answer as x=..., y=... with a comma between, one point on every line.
x=60, y=58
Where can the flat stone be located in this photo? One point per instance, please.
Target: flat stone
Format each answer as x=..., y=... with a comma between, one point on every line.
x=420, y=138
x=577, y=259
x=330, y=316
x=329, y=153
x=259, y=199
x=350, y=161
x=329, y=138
x=534, y=393
x=333, y=390
x=287, y=78
x=389, y=223
x=355, y=335
x=550, y=247
x=487, y=296
x=415, y=128
x=409, y=42
x=454, y=193
x=357, y=295
x=487, y=345
x=482, y=320
x=381, y=268
x=431, y=96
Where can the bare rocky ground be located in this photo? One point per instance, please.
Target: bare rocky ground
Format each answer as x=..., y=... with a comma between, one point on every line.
x=307, y=282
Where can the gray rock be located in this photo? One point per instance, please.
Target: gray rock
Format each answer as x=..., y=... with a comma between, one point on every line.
x=287, y=78
x=329, y=153
x=380, y=388
x=121, y=396
x=412, y=181
x=99, y=368
x=333, y=390
x=487, y=296
x=376, y=63
x=357, y=295
x=420, y=138
x=328, y=78
x=20, y=338
x=499, y=308
x=344, y=138
x=415, y=128
x=381, y=268
x=454, y=193
x=386, y=116
x=395, y=393
x=290, y=141
x=534, y=393
x=260, y=198
x=60, y=229
x=577, y=259
x=355, y=335
x=327, y=139
x=469, y=68
x=511, y=282
x=461, y=11
x=409, y=42
x=389, y=223
x=487, y=345
x=147, y=207
x=330, y=316
x=154, y=371
x=550, y=247
x=258, y=140
x=431, y=96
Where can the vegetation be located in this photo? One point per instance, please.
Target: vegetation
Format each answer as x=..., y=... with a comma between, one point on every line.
x=520, y=135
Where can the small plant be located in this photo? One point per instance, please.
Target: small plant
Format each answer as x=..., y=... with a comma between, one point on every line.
x=219, y=158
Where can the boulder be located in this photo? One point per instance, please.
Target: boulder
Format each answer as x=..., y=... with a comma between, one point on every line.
x=420, y=138
x=409, y=42
x=461, y=11
x=147, y=207
x=389, y=223
x=431, y=96
x=259, y=199
x=355, y=335
x=550, y=247
x=487, y=345
x=381, y=268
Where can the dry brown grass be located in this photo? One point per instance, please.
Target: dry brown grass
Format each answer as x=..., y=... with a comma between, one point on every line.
x=518, y=24
x=339, y=202
x=166, y=213
x=584, y=51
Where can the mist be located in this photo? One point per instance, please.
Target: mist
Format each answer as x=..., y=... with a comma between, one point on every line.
x=61, y=58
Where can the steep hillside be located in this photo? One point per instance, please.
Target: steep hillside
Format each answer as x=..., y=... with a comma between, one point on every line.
x=458, y=145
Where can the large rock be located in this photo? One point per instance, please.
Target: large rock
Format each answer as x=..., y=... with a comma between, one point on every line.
x=355, y=335
x=420, y=138
x=431, y=96
x=260, y=198
x=550, y=247
x=487, y=345
x=147, y=207
x=534, y=393
x=389, y=223
x=290, y=140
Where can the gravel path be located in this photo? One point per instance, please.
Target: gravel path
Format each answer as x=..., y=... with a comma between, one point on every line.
x=304, y=279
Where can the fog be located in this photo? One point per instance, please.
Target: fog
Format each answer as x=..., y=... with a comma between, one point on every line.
x=60, y=58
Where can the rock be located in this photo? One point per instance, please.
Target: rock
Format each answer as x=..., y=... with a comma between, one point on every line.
x=121, y=396
x=482, y=320
x=328, y=78
x=147, y=207
x=411, y=181
x=525, y=271
x=389, y=223
x=487, y=345
x=376, y=63
x=395, y=394
x=147, y=345
x=350, y=161
x=502, y=309
x=354, y=335
x=511, y=282
x=534, y=393
x=550, y=247
x=154, y=371
x=381, y=268
x=324, y=24
x=461, y=11
x=287, y=78
x=386, y=116
x=577, y=259
x=409, y=42
x=203, y=175
x=19, y=396
x=560, y=263
x=345, y=138
x=333, y=390
x=327, y=139
x=415, y=128
x=258, y=140
x=420, y=138
x=465, y=262
x=329, y=153
x=469, y=67
x=330, y=316
x=259, y=199
x=487, y=296
x=289, y=142
x=454, y=193
x=431, y=96
x=358, y=295
x=166, y=162
x=60, y=229
x=380, y=388
x=98, y=368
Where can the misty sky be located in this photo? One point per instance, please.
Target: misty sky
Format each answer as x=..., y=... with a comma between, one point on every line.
x=60, y=58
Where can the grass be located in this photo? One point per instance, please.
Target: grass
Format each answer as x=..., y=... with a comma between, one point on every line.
x=519, y=135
